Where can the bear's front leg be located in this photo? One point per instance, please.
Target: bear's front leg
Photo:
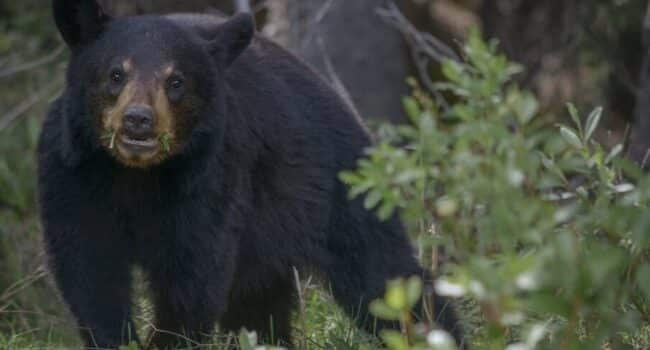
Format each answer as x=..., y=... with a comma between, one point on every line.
x=92, y=273
x=190, y=282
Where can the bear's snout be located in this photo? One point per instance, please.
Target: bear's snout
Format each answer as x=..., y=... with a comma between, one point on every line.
x=138, y=122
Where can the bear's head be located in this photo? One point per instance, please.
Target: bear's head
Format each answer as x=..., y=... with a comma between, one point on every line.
x=144, y=86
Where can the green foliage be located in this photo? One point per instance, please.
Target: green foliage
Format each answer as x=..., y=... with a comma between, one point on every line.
x=31, y=62
x=546, y=231
x=401, y=295
x=165, y=142
x=132, y=346
x=31, y=71
x=248, y=341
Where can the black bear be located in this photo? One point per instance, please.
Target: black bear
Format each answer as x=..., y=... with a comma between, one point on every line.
x=207, y=156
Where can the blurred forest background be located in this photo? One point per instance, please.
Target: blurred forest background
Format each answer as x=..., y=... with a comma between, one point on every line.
x=592, y=53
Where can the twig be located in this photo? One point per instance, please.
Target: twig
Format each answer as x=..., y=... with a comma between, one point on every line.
x=322, y=12
x=310, y=27
x=337, y=83
x=645, y=159
x=32, y=65
x=8, y=119
x=20, y=285
x=155, y=330
x=429, y=44
x=425, y=48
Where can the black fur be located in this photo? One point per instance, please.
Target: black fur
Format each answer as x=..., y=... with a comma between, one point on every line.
x=218, y=227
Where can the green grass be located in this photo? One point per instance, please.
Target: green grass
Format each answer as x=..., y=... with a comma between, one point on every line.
x=320, y=325
x=31, y=316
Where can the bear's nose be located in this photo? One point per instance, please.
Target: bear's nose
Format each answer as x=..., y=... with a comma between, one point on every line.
x=138, y=121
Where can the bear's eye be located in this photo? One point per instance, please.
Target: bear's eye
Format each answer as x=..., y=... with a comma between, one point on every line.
x=176, y=83
x=117, y=76
x=175, y=87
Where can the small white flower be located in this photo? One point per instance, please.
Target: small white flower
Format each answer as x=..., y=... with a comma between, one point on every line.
x=449, y=289
x=477, y=289
x=512, y=318
x=518, y=346
x=527, y=281
x=536, y=334
x=563, y=215
x=440, y=340
x=515, y=177
x=624, y=188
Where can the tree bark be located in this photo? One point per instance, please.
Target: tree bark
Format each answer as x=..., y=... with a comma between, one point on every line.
x=365, y=54
x=277, y=26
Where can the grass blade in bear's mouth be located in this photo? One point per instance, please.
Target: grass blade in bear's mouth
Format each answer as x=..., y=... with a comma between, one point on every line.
x=165, y=142
x=110, y=137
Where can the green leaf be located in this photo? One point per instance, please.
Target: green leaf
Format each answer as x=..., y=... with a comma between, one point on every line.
x=592, y=122
x=573, y=112
x=372, y=199
x=409, y=175
x=527, y=108
x=412, y=109
x=394, y=340
x=413, y=291
x=360, y=187
x=427, y=123
x=616, y=150
x=386, y=210
x=452, y=70
x=396, y=297
x=571, y=137
x=381, y=310
x=247, y=340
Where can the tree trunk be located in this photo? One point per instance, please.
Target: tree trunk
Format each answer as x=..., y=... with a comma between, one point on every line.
x=366, y=55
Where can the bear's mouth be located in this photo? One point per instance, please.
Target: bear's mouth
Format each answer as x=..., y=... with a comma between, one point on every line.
x=137, y=146
x=139, y=143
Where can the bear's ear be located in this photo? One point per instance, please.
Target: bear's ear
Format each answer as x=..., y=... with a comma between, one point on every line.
x=79, y=21
x=232, y=38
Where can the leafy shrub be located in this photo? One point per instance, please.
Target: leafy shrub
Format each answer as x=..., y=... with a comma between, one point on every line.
x=542, y=228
